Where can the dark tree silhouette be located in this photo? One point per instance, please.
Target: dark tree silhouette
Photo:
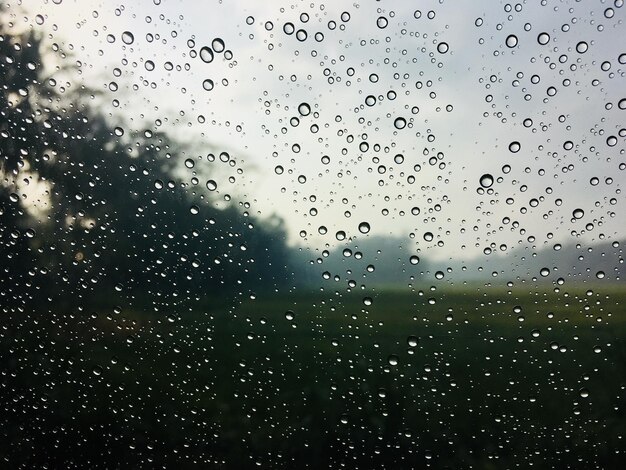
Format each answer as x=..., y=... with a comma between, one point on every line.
x=115, y=226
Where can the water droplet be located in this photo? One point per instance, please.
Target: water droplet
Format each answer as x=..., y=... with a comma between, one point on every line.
x=364, y=227
x=486, y=180
x=584, y=393
x=578, y=213
x=370, y=100
x=382, y=22
x=127, y=37
x=211, y=185
x=393, y=360
x=289, y=28
x=289, y=315
x=367, y=301
x=158, y=184
x=442, y=47
x=304, y=109
x=428, y=236
x=208, y=84
x=414, y=259
x=511, y=40
x=543, y=38
x=218, y=45
x=544, y=272
x=412, y=341
x=600, y=274
x=399, y=123
x=611, y=141
x=206, y=54
x=514, y=147
x=582, y=47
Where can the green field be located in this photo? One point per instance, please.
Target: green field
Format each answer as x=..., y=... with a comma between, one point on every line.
x=470, y=377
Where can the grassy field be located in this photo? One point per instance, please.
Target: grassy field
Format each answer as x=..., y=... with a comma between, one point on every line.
x=470, y=377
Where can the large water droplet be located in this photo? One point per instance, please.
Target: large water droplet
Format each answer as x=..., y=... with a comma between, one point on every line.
x=304, y=109
x=511, y=40
x=206, y=54
x=127, y=37
x=442, y=47
x=218, y=45
x=543, y=38
x=486, y=180
x=399, y=123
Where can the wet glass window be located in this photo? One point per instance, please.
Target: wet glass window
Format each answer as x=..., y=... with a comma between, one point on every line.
x=378, y=234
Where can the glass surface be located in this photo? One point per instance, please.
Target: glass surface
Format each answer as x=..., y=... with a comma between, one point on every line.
x=376, y=234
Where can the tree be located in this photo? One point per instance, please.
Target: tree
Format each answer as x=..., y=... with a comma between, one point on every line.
x=114, y=224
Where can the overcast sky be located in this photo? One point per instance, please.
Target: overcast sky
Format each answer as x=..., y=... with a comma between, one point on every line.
x=445, y=70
